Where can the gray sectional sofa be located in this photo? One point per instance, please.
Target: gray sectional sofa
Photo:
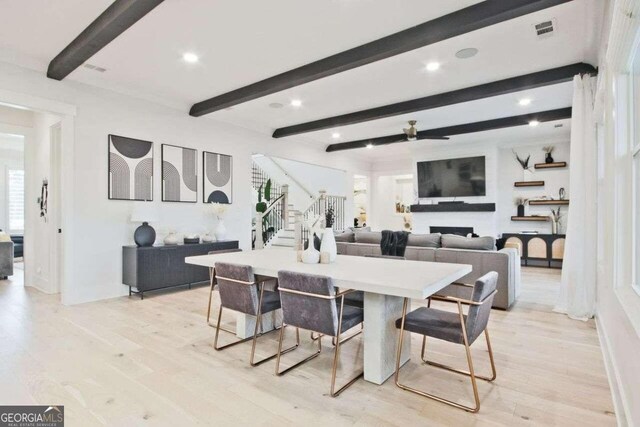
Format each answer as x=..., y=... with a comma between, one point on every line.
x=479, y=252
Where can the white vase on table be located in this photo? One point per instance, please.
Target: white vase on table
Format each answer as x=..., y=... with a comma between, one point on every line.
x=311, y=255
x=328, y=244
x=220, y=231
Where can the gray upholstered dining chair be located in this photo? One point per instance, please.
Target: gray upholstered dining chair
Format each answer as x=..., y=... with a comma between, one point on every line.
x=311, y=302
x=453, y=327
x=242, y=292
x=213, y=282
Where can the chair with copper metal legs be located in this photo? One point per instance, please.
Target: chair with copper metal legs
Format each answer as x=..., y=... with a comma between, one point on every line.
x=212, y=284
x=241, y=292
x=457, y=328
x=312, y=302
x=356, y=298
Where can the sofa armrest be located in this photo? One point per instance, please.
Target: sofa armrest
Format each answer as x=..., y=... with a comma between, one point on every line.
x=514, y=270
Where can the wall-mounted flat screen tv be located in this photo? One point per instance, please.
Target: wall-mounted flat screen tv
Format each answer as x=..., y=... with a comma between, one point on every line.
x=452, y=178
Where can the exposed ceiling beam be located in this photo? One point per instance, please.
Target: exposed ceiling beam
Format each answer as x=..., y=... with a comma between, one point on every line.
x=480, y=15
x=505, y=122
x=115, y=20
x=487, y=90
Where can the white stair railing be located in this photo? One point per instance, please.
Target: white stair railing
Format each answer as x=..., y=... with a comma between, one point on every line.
x=319, y=209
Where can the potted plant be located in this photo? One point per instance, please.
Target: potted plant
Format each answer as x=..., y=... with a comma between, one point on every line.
x=328, y=244
x=524, y=163
x=520, y=202
x=555, y=216
x=548, y=150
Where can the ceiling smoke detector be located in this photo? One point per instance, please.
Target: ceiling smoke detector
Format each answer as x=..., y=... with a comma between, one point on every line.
x=545, y=29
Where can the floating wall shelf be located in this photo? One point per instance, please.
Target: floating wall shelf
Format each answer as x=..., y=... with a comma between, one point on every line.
x=529, y=184
x=551, y=165
x=548, y=202
x=455, y=207
x=530, y=218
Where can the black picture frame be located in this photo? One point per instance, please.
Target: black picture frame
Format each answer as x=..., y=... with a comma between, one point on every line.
x=163, y=172
x=117, y=157
x=206, y=196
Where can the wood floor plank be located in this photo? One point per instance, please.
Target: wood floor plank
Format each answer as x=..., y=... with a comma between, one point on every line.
x=128, y=361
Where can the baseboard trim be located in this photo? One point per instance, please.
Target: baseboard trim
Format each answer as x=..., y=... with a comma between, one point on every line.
x=617, y=392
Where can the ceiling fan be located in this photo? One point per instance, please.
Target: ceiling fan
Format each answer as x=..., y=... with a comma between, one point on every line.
x=412, y=131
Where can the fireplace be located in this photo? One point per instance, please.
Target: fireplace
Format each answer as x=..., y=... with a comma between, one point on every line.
x=461, y=231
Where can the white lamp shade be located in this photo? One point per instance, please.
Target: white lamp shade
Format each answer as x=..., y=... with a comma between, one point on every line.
x=144, y=212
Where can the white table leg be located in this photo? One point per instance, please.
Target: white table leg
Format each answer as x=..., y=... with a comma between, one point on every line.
x=381, y=336
x=245, y=323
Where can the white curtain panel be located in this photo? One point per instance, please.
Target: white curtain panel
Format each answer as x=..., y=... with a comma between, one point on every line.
x=578, y=289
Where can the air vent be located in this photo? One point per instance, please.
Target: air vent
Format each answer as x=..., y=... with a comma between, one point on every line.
x=545, y=29
x=95, y=68
x=559, y=125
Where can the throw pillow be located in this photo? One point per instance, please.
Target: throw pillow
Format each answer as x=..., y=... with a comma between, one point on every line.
x=347, y=236
x=4, y=237
x=368, y=237
x=452, y=241
x=425, y=240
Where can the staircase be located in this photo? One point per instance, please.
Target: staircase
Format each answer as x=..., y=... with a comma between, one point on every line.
x=285, y=222
x=286, y=237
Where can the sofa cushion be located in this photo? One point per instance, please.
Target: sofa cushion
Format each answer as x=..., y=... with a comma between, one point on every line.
x=368, y=237
x=425, y=240
x=454, y=241
x=358, y=229
x=347, y=237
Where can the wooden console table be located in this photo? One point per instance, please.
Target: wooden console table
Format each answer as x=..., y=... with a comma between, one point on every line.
x=537, y=248
x=160, y=267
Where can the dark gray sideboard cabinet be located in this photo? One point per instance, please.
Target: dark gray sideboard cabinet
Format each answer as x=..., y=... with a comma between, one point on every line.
x=159, y=267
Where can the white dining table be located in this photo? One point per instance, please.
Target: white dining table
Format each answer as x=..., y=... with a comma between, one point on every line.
x=385, y=282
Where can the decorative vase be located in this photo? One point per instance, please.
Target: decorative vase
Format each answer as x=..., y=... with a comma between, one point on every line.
x=554, y=227
x=520, y=210
x=208, y=238
x=144, y=235
x=171, y=239
x=316, y=242
x=221, y=231
x=329, y=244
x=562, y=193
x=310, y=255
x=548, y=158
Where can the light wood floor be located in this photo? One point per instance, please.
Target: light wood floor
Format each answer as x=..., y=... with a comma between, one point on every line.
x=127, y=362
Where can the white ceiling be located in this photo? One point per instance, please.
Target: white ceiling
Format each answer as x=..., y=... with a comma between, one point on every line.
x=239, y=45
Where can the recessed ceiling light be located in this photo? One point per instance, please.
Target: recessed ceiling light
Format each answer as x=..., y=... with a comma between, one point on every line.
x=433, y=66
x=276, y=105
x=335, y=135
x=369, y=146
x=296, y=103
x=467, y=53
x=190, y=57
x=534, y=123
x=524, y=102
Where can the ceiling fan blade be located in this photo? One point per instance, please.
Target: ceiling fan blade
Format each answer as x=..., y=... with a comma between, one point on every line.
x=363, y=143
x=434, y=137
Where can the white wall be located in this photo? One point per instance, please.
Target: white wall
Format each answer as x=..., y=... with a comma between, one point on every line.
x=37, y=235
x=618, y=306
x=100, y=226
x=510, y=172
x=501, y=172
